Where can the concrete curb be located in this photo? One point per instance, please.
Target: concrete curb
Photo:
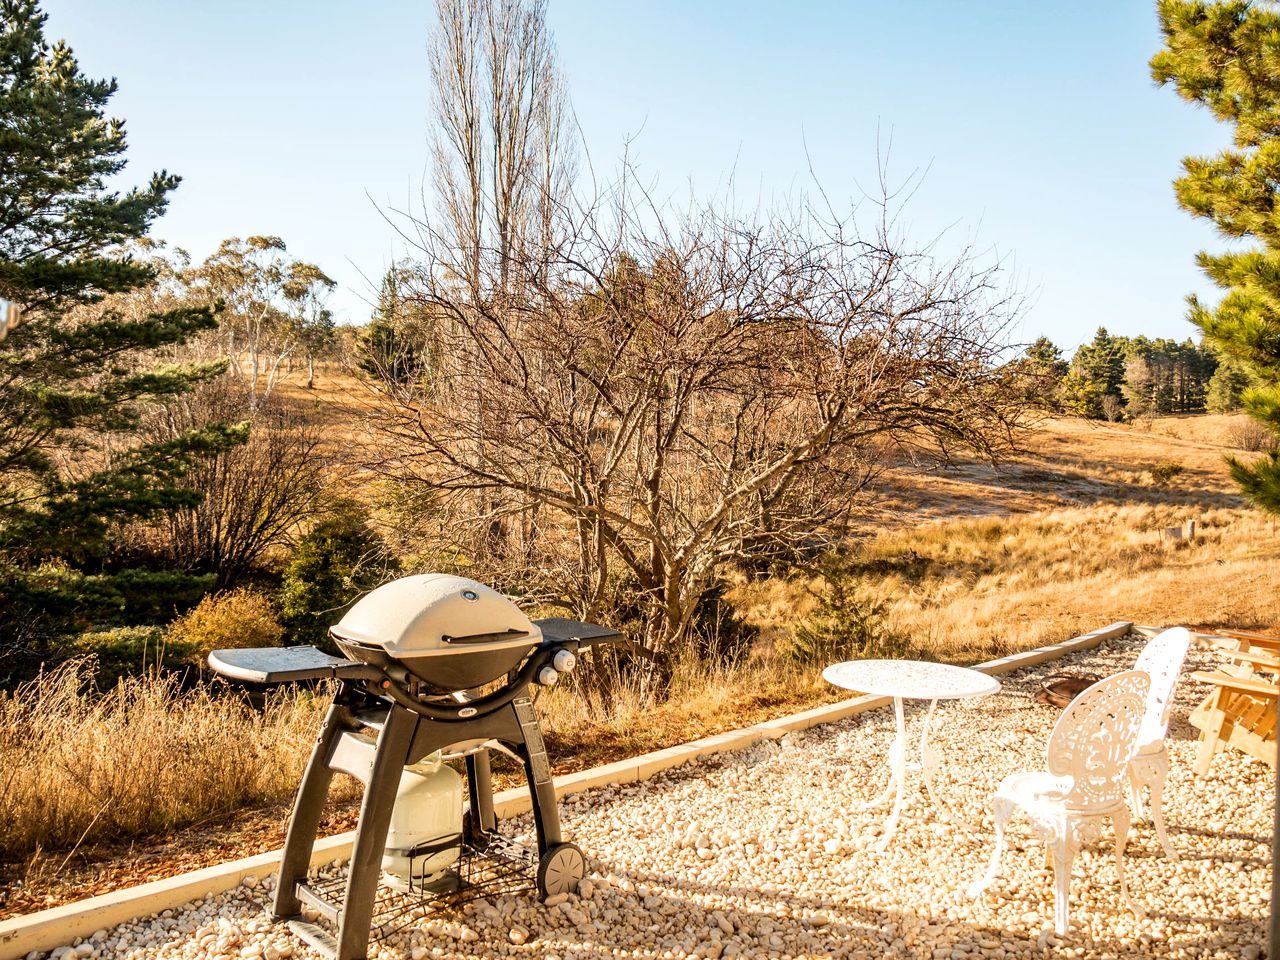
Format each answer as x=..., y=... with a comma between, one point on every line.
x=61, y=925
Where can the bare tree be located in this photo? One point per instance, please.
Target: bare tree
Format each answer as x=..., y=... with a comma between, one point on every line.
x=670, y=399
x=503, y=151
x=253, y=497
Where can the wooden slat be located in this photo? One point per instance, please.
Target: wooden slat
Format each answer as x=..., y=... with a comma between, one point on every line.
x=1266, y=661
x=1244, y=684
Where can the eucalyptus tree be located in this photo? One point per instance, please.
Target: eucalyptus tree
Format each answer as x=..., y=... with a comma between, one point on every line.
x=274, y=308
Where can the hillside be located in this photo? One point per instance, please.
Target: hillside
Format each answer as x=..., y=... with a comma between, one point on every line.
x=959, y=562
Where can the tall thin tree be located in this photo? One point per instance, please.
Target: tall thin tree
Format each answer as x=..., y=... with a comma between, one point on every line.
x=503, y=149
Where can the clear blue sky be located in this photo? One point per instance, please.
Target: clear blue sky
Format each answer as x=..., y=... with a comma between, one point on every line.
x=1038, y=123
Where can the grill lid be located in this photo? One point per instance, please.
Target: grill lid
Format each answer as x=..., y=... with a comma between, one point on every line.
x=436, y=614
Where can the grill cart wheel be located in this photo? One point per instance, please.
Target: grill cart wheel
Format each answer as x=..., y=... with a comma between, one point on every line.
x=560, y=869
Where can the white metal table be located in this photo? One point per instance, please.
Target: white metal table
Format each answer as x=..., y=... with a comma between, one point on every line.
x=908, y=680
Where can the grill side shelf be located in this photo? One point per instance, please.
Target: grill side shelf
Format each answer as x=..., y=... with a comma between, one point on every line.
x=560, y=630
x=287, y=665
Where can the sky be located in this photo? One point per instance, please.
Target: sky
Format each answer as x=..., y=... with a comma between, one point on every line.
x=1034, y=128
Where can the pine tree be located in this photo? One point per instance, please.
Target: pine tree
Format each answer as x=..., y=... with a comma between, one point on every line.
x=1226, y=56
x=340, y=559
x=399, y=344
x=1097, y=372
x=1041, y=370
x=76, y=376
x=1226, y=389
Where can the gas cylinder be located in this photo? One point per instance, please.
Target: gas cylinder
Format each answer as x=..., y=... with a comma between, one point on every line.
x=425, y=836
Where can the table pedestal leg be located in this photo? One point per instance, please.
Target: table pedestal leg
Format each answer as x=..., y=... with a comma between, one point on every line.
x=897, y=774
x=930, y=760
x=929, y=757
x=891, y=762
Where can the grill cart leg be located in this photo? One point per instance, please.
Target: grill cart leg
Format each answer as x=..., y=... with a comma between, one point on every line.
x=560, y=865
x=307, y=810
x=537, y=770
x=480, y=787
x=371, y=834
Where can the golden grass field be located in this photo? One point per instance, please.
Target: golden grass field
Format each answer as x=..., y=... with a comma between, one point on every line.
x=971, y=561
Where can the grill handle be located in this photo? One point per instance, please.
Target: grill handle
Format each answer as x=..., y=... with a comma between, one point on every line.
x=485, y=637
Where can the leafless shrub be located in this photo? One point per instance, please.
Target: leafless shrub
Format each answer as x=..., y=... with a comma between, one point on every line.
x=662, y=396
x=254, y=496
x=1248, y=434
x=1112, y=408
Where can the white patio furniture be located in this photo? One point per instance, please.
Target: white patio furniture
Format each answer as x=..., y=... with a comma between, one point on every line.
x=1161, y=659
x=908, y=680
x=1087, y=759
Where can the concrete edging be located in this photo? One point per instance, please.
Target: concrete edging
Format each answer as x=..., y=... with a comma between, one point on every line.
x=59, y=926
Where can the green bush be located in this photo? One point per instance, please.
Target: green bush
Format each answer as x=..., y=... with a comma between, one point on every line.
x=127, y=651
x=847, y=624
x=718, y=635
x=338, y=561
x=234, y=618
x=1162, y=473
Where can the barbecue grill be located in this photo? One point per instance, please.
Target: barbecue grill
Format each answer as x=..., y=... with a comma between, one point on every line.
x=436, y=667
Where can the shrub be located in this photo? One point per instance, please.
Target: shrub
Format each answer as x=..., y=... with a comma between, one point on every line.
x=126, y=651
x=1162, y=473
x=1248, y=434
x=847, y=623
x=340, y=559
x=252, y=496
x=719, y=636
x=233, y=618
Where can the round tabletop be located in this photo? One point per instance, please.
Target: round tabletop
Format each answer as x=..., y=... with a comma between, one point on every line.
x=910, y=679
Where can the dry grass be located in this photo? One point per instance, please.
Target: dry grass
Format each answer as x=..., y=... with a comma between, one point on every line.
x=146, y=757
x=702, y=700
x=972, y=563
x=978, y=588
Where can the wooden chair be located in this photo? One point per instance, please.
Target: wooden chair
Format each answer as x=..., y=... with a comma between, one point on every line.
x=1240, y=710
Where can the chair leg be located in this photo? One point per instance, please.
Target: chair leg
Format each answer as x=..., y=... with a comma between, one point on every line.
x=1136, y=784
x=1002, y=811
x=1158, y=774
x=1211, y=732
x=1121, y=820
x=1064, y=855
x=1204, y=752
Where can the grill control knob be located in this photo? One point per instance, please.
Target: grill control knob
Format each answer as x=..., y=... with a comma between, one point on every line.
x=564, y=660
x=548, y=675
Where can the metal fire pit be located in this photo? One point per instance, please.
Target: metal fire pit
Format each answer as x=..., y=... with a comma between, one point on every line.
x=437, y=664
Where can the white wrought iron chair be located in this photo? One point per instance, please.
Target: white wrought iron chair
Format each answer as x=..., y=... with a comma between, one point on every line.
x=1162, y=660
x=1087, y=758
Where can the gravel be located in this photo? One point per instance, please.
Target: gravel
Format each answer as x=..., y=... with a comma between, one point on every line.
x=763, y=853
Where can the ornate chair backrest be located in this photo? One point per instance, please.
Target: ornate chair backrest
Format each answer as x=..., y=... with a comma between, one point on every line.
x=1161, y=659
x=1095, y=738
